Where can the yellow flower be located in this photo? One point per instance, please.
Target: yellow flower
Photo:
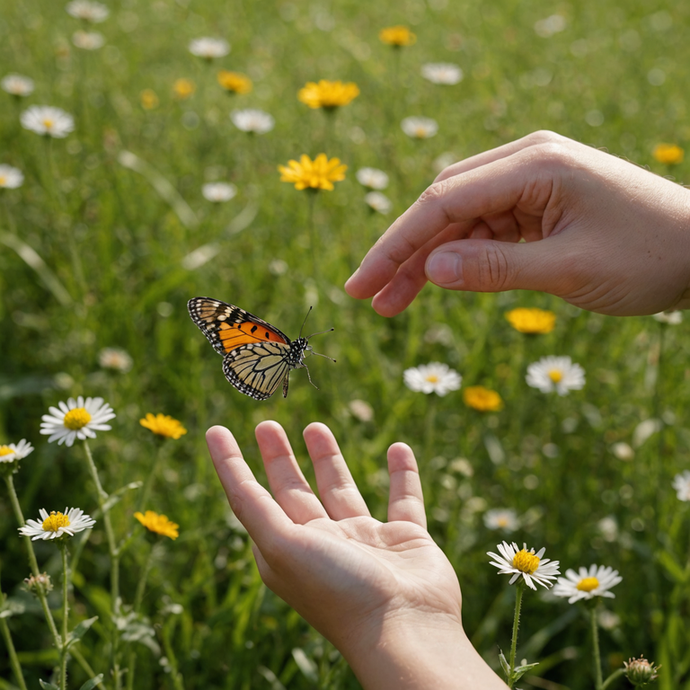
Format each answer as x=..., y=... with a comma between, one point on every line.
x=163, y=425
x=235, y=82
x=328, y=94
x=319, y=173
x=183, y=88
x=531, y=320
x=482, y=399
x=158, y=524
x=668, y=154
x=149, y=99
x=397, y=36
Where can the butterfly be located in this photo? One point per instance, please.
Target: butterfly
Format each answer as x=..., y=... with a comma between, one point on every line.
x=257, y=356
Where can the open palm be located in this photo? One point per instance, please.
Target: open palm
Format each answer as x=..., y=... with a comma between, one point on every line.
x=342, y=570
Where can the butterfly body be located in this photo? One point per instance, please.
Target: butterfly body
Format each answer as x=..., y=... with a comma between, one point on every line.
x=257, y=357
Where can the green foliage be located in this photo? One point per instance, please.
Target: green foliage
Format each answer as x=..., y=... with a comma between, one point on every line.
x=102, y=250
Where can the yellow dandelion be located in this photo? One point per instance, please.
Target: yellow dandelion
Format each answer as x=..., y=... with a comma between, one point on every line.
x=234, y=82
x=163, y=425
x=668, y=154
x=159, y=524
x=328, y=94
x=183, y=88
x=482, y=399
x=148, y=99
x=531, y=320
x=397, y=36
x=319, y=173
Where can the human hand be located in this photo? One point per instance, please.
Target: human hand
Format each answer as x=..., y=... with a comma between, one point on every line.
x=383, y=593
x=601, y=233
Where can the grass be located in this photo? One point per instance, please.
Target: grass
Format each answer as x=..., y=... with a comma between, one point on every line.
x=114, y=242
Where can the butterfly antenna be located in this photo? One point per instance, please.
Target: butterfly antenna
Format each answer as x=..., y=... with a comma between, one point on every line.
x=305, y=321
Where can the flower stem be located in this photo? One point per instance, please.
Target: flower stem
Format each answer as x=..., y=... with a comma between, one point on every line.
x=65, y=614
x=33, y=563
x=616, y=674
x=11, y=651
x=114, y=563
x=598, y=682
x=519, y=590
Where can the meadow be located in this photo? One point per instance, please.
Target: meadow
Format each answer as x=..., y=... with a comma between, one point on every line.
x=109, y=235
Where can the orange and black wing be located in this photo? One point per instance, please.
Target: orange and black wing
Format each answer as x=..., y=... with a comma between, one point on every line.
x=228, y=327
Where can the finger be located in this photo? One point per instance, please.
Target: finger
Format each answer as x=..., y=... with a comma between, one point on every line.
x=406, y=501
x=253, y=505
x=491, y=266
x=500, y=152
x=288, y=484
x=337, y=488
x=492, y=189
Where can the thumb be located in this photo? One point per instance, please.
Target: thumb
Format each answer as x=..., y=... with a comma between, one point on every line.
x=492, y=266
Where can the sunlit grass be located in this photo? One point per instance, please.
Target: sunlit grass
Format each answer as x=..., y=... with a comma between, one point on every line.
x=110, y=235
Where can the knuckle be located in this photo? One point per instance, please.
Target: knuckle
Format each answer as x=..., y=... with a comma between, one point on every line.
x=433, y=193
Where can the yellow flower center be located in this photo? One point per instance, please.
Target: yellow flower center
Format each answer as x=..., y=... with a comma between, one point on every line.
x=420, y=132
x=3, y=180
x=77, y=419
x=556, y=375
x=48, y=123
x=55, y=521
x=588, y=584
x=6, y=450
x=502, y=521
x=526, y=562
x=432, y=378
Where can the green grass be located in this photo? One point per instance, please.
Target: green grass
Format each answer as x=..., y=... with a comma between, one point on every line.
x=117, y=249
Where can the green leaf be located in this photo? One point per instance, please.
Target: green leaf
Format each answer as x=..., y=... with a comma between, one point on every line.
x=79, y=631
x=96, y=680
x=47, y=686
x=669, y=563
x=11, y=607
x=504, y=664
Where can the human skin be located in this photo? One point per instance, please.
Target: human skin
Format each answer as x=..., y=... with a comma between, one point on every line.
x=382, y=592
x=598, y=231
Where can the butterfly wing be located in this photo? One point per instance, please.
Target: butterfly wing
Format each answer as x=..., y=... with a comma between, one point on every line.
x=257, y=369
x=228, y=327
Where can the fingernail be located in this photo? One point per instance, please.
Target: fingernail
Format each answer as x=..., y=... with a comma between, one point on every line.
x=444, y=268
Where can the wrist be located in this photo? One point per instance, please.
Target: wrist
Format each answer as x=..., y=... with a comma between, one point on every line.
x=412, y=653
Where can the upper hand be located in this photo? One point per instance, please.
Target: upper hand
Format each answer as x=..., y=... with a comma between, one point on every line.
x=599, y=232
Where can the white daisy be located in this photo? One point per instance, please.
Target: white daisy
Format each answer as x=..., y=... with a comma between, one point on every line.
x=378, y=202
x=76, y=419
x=504, y=519
x=623, y=450
x=419, y=127
x=526, y=564
x=93, y=12
x=671, y=318
x=10, y=178
x=432, y=378
x=209, y=48
x=57, y=525
x=115, y=358
x=558, y=374
x=15, y=451
x=681, y=483
x=47, y=120
x=17, y=85
x=252, y=120
x=372, y=178
x=550, y=26
x=88, y=40
x=587, y=583
x=442, y=73
x=361, y=409
x=219, y=191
